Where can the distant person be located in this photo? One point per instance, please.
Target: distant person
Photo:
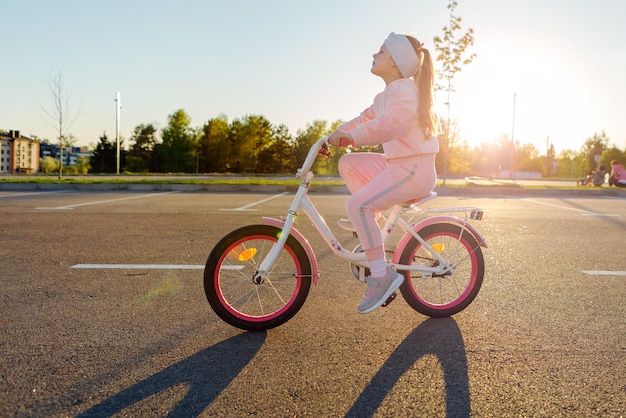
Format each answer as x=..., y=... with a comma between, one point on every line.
x=618, y=175
x=598, y=178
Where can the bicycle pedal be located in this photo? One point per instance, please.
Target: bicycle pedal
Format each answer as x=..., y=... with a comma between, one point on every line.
x=390, y=299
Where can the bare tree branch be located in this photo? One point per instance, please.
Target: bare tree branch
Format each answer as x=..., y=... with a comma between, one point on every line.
x=58, y=115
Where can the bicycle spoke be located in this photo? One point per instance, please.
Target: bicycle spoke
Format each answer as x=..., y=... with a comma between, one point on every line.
x=454, y=287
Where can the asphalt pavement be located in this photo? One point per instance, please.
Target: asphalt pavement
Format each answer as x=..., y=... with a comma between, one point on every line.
x=546, y=335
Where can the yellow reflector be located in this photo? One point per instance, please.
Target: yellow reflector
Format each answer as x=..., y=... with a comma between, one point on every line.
x=247, y=254
x=438, y=247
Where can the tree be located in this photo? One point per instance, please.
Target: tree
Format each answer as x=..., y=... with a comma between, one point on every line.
x=213, y=146
x=331, y=164
x=610, y=154
x=306, y=138
x=59, y=115
x=550, y=161
x=451, y=53
x=257, y=137
x=570, y=164
x=527, y=158
x=82, y=164
x=594, y=147
x=104, y=157
x=461, y=158
x=278, y=155
x=282, y=151
x=49, y=165
x=178, y=149
x=141, y=156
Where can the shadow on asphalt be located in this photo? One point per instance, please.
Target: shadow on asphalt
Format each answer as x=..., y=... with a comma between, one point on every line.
x=206, y=374
x=439, y=337
x=576, y=205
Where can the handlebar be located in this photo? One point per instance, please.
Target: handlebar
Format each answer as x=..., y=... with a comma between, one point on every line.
x=311, y=156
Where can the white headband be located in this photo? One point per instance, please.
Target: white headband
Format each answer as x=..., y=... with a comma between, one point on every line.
x=403, y=54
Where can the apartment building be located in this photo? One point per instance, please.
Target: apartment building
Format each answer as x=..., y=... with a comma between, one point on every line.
x=70, y=154
x=5, y=155
x=18, y=154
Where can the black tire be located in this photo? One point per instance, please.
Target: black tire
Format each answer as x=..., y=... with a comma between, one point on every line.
x=449, y=294
x=234, y=296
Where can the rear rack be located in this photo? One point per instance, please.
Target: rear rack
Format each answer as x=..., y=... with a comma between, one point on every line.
x=469, y=212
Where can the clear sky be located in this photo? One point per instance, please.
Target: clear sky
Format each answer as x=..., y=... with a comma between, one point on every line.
x=296, y=61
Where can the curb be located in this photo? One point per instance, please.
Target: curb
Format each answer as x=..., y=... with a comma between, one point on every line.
x=472, y=191
x=499, y=191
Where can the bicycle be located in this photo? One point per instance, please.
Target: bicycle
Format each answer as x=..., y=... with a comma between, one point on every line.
x=257, y=277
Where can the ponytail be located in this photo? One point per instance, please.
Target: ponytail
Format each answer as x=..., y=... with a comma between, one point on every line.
x=425, y=80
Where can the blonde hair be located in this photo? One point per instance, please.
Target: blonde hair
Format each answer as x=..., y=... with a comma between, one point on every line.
x=425, y=80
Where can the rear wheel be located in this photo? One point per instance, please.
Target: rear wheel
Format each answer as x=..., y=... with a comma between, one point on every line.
x=258, y=305
x=450, y=293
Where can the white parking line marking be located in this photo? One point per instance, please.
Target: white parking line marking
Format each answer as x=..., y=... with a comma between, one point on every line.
x=34, y=193
x=582, y=211
x=150, y=266
x=246, y=207
x=70, y=207
x=604, y=273
x=140, y=266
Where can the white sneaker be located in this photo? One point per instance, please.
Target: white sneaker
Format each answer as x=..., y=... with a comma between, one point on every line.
x=379, y=290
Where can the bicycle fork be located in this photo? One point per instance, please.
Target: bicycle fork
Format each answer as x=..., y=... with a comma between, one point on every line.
x=286, y=231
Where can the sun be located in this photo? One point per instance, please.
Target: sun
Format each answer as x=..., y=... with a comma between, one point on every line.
x=505, y=93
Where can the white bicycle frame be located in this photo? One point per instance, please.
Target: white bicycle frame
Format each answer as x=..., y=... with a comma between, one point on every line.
x=302, y=201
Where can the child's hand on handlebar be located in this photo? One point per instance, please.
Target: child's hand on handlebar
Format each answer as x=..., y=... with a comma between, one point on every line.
x=340, y=139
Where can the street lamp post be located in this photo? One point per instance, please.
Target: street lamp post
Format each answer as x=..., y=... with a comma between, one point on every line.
x=513, y=137
x=118, y=106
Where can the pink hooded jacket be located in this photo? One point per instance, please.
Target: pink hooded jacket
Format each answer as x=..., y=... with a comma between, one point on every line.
x=392, y=121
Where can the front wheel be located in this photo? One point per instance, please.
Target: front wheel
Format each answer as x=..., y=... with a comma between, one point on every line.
x=246, y=303
x=450, y=293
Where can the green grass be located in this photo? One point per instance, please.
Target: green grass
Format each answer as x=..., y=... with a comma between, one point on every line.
x=199, y=179
x=155, y=179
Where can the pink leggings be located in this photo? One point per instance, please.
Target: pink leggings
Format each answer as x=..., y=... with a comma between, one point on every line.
x=377, y=183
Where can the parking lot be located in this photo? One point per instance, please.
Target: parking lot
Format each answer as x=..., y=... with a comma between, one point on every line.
x=103, y=313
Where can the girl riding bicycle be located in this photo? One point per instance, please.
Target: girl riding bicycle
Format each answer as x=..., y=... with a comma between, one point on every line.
x=401, y=119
